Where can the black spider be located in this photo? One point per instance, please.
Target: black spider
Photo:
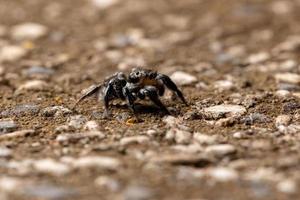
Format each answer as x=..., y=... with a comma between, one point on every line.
x=140, y=83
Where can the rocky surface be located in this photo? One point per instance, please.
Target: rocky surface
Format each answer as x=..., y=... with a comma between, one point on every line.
x=237, y=63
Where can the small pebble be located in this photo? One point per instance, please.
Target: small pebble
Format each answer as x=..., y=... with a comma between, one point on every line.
x=11, y=53
x=101, y=162
x=50, y=166
x=138, y=192
x=220, y=111
x=56, y=111
x=205, y=139
x=287, y=186
x=258, y=58
x=77, y=121
x=108, y=183
x=15, y=134
x=284, y=120
x=183, y=78
x=221, y=150
x=224, y=85
x=91, y=126
x=288, y=78
x=21, y=110
x=34, y=85
x=28, y=31
x=223, y=174
x=134, y=140
x=104, y=4
x=74, y=137
x=7, y=125
x=38, y=72
x=5, y=152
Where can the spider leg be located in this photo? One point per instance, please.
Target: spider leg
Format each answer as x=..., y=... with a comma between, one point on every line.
x=172, y=86
x=152, y=93
x=89, y=93
x=108, y=95
x=130, y=98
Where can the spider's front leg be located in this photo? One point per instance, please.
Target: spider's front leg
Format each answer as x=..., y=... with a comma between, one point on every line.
x=152, y=93
x=108, y=95
x=130, y=98
x=172, y=86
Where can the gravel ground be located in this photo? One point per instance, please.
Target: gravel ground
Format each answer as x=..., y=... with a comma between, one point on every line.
x=237, y=62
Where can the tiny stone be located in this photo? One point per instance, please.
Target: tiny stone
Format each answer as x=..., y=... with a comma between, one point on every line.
x=12, y=53
x=56, y=111
x=102, y=162
x=287, y=186
x=255, y=118
x=191, y=148
x=21, y=110
x=220, y=111
x=10, y=184
x=51, y=166
x=28, y=31
x=7, y=125
x=151, y=132
x=282, y=93
x=21, y=133
x=73, y=137
x=171, y=121
x=50, y=192
x=221, y=149
x=223, y=174
x=91, y=126
x=37, y=70
x=108, y=182
x=34, y=85
x=77, y=121
x=182, y=78
x=134, y=140
x=283, y=120
x=288, y=78
x=258, y=58
x=103, y=4
x=205, y=139
x=224, y=85
x=137, y=192
x=182, y=137
x=5, y=152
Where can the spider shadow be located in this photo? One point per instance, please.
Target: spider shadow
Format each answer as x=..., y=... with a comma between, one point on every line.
x=141, y=108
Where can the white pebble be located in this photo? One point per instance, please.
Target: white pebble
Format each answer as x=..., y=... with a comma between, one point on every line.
x=287, y=186
x=108, y=182
x=223, y=174
x=288, y=78
x=224, y=85
x=51, y=166
x=12, y=53
x=91, y=126
x=232, y=110
x=183, y=78
x=103, y=4
x=101, y=162
x=205, y=139
x=282, y=93
x=28, y=31
x=141, y=139
x=283, y=120
x=221, y=149
x=34, y=85
x=258, y=57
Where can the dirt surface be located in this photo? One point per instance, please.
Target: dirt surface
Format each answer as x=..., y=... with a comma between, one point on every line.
x=241, y=53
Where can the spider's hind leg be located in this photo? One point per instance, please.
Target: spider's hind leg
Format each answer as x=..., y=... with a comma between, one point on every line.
x=172, y=86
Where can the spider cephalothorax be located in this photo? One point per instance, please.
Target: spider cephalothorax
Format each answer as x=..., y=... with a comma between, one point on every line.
x=139, y=84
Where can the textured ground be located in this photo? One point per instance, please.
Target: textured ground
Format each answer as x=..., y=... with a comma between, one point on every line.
x=238, y=139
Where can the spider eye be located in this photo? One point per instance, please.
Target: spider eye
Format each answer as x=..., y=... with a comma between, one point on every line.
x=137, y=73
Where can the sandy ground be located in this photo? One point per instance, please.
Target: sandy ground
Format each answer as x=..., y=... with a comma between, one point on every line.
x=241, y=56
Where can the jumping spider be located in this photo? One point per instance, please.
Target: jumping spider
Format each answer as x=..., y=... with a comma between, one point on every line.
x=139, y=84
